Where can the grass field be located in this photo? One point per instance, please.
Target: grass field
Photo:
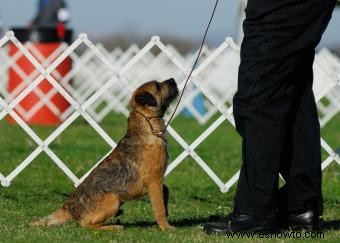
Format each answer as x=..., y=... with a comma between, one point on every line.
x=194, y=198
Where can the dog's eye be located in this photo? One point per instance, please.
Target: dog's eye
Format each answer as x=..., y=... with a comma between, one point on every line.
x=158, y=86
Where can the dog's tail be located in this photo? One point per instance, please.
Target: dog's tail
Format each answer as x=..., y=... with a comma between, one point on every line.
x=58, y=217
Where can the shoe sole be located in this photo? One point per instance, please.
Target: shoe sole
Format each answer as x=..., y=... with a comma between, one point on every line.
x=303, y=227
x=254, y=230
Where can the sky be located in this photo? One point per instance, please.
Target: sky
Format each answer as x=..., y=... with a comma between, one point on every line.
x=186, y=19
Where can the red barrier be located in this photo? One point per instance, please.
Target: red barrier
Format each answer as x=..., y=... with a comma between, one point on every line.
x=44, y=115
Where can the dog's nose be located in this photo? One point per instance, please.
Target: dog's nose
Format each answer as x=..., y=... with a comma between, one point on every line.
x=173, y=86
x=170, y=81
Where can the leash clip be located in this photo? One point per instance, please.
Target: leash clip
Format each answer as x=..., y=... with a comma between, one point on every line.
x=158, y=134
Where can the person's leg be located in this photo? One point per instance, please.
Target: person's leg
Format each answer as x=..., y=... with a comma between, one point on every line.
x=301, y=164
x=273, y=52
x=276, y=33
x=304, y=176
x=301, y=167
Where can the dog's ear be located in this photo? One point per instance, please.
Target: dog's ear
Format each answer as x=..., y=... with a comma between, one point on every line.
x=145, y=98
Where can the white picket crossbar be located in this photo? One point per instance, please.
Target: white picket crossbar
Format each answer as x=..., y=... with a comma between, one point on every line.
x=102, y=77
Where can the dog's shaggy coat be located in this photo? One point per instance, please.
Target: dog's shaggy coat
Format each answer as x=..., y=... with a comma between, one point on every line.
x=135, y=167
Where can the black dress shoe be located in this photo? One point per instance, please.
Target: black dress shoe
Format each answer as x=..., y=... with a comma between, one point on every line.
x=220, y=224
x=239, y=223
x=307, y=220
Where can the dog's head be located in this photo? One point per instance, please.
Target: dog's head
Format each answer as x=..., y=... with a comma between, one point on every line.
x=154, y=96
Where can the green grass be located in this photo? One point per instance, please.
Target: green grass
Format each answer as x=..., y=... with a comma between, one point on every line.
x=194, y=198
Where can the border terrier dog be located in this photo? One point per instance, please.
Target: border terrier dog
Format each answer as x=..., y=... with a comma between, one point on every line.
x=135, y=167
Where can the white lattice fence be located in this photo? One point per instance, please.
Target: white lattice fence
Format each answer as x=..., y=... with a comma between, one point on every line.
x=329, y=106
x=100, y=77
x=144, y=70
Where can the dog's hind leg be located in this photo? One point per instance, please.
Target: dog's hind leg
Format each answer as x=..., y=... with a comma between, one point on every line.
x=105, y=207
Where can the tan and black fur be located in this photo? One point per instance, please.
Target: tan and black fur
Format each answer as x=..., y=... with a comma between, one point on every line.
x=135, y=167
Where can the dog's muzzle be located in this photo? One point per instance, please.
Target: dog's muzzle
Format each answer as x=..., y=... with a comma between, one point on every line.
x=173, y=89
x=171, y=94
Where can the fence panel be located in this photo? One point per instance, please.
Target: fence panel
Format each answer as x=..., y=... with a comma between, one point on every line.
x=102, y=81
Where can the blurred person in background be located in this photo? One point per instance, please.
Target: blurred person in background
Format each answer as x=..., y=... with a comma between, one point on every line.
x=50, y=13
x=1, y=27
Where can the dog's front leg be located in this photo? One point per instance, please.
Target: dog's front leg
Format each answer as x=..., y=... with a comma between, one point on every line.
x=155, y=190
x=166, y=199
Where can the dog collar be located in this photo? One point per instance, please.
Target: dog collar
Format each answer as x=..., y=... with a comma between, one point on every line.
x=156, y=133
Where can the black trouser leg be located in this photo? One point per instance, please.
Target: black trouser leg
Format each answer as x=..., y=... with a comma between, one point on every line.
x=301, y=164
x=274, y=106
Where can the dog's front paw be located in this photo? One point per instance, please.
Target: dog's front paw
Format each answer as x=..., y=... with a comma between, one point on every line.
x=171, y=228
x=168, y=227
